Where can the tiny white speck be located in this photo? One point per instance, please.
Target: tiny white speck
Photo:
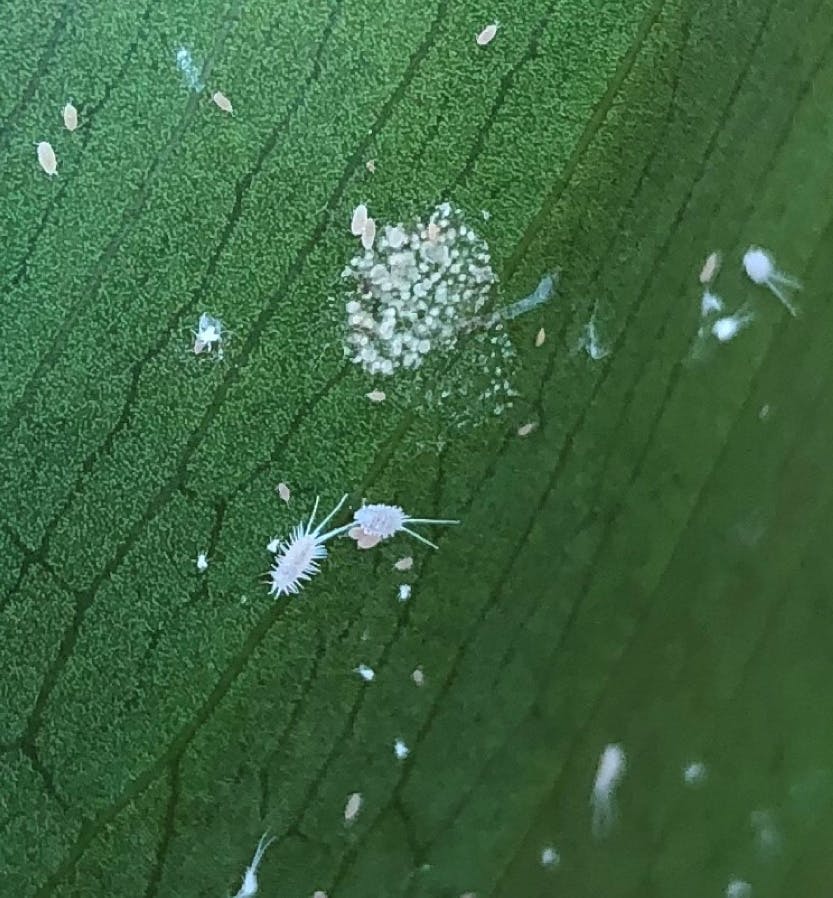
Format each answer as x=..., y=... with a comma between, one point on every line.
x=404, y=564
x=376, y=395
x=764, y=412
x=202, y=562
x=738, y=888
x=550, y=857
x=283, y=492
x=401, y=750
x=418, y=676
x=695, y=773
x=366, y=673
x=540, y=337
x=404, y=592
x=526, y=429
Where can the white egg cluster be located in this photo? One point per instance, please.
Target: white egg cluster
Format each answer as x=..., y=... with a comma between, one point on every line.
x=417, y=290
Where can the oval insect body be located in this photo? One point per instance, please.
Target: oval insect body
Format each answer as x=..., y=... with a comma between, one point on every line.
x=221, y=101
x=353, y=806
x=710, y=268
x=369, y=233
x=609, y=773
x=487, y=35
x=46, y=158
x=359, y=220
x=70, y=115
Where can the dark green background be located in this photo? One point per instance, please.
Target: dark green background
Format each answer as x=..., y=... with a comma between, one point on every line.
x=651, y=566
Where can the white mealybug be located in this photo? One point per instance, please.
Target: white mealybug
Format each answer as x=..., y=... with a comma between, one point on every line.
x=70, y=116
x=526, y=429
x=368, y=233
x=366, y=673
x=611, y=769
x=710, y=268
x=248, y=887
x=359, y=220
x=297, y=557
x=283, y=492
x=379, y=522
x=202, y=562
x=487, y=35
x=760, y=269
x=46, y=158
x=418, y=676
x=353, y=806
x=404, y=592
x=221, y=101
x=401, y=750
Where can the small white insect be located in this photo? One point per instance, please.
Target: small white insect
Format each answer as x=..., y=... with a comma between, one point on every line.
x=249, y=885
x=728, y=327
x=319, y=894
x=359, y=220
x=526, y=429
x=283, y=492
x=353, y=806
x=404, y=564
x=760, y=268
x=370, y=165
x=376, y=395
x=738, y=888
x=590, y=342
x=710, y=268
x=404, y=592
x=418, y=676
x=487, y=35
x=381, y=522
x=46, y=158
x=297, y=557
x=202, y=562
x=366, y=673
x=368, y=233
x=401, y=750
x=695, y=774
x=709, y=303
x=550, y=857
x=70, y=116
x=209, y=333
x=763, y=412
x=540, y=337
x=221, y=101
x=611, y=769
